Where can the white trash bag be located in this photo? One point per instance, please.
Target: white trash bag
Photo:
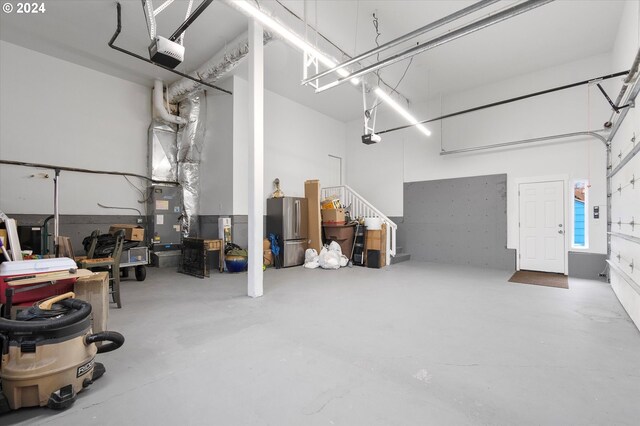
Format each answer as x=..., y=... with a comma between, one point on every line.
x=311, y=255
x=311, y=259
x=329, y=259
x=335, y=247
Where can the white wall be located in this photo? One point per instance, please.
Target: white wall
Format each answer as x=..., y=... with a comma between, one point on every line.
x=378, y=171
x=297, y=144
x=55, y=112
x=625, y=204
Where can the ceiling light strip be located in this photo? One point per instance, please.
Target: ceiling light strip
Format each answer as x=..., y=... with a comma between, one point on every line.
x=293, y=38
x=400, y=110
x=250, y=10
x=162, y=7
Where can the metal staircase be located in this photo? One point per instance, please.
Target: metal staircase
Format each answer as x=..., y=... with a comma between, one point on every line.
x=359, y=207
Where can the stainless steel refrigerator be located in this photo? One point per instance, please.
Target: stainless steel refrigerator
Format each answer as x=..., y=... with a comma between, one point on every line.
x=287, y=218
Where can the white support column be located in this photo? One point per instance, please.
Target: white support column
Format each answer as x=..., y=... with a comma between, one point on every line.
x=256, y=159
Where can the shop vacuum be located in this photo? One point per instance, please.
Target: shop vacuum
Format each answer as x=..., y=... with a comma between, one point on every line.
x=48, y=354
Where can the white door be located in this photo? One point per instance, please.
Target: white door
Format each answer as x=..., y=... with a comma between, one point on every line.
x=335, y=173
x=542, y=227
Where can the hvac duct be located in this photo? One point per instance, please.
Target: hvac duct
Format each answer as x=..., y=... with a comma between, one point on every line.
x=163, y=152
x=215, y=68
x=159, y=107
x=189, y=149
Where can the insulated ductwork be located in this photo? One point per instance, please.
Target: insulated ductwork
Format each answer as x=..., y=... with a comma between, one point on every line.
x=190, y=143
x=163, y=152
x=159, y=107
x=215, y=68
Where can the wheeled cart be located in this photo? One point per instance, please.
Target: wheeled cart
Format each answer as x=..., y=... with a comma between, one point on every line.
x=137, y=258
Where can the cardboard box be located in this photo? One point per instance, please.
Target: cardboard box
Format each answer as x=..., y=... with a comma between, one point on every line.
x=131, y=232
x=95, y=290
x=314, y=228
x=330, y=204
x=334, y=216
x=377, y=240
x=373, y=240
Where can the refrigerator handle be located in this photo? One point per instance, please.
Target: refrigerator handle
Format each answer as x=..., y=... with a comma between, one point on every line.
x=296, y=205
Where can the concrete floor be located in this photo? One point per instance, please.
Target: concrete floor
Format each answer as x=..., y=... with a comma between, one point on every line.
x=412, y=344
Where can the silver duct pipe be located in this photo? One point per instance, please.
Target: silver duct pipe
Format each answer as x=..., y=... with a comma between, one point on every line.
x=215, y=68
x=190, y=143
x=524, y=141
x=162, y=152
x=438, y=41
x=431, y=26
x=159, y=107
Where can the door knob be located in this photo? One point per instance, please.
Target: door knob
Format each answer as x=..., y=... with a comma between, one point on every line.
x=560, y=231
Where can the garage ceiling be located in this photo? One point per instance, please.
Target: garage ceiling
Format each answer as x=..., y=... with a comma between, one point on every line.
x=553, y=34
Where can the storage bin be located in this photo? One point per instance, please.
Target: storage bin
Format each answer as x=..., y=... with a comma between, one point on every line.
x=342, y=234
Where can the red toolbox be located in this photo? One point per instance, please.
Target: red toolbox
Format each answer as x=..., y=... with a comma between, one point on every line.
x=33, y=280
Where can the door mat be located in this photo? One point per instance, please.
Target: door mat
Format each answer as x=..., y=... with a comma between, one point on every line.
x=546, y=279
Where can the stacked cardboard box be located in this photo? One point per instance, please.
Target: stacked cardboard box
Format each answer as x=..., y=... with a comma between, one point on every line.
x=377, y=240
x=131, y=232
x=312, y=194
x=334, y=216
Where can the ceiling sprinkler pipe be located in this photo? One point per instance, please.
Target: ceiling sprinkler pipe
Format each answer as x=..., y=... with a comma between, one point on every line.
x=158, y=105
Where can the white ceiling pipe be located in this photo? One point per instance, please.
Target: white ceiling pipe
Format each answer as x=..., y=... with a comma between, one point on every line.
x=158, y=105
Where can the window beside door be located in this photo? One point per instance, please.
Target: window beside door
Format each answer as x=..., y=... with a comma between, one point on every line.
x=580, y=239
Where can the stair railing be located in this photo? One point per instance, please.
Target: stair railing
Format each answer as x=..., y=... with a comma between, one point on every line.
x=358, y=206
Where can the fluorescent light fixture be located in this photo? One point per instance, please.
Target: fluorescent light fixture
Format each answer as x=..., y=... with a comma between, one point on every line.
x=403, y=112
x=162, y=7
x=292, y=37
